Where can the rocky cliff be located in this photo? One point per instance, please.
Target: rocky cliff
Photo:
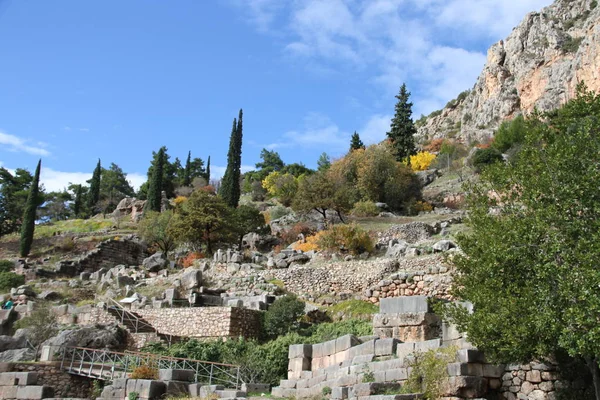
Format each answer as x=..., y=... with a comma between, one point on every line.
x=537, y=66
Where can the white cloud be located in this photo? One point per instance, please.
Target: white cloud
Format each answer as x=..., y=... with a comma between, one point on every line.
x=217, y=172
x=54, y=180
x=395, y=41
x=260, y=13
x=375, y=129
x=16, y=144
x=136, y=180
x=318, y=131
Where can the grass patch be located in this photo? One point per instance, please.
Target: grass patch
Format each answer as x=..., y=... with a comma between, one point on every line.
x=352, y=309
x=277, y=282
x=72, y=226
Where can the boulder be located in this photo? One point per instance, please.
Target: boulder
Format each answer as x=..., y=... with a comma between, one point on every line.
x=427, y=177
x=11, y=343
x=23, y=290
x=396, y=249
x=191, y=279
x=96, y=336
x=25, y=354
x=156, y=262
x=299, y=258
x=443, y=245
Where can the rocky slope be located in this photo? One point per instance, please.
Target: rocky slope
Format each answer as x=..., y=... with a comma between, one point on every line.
x=537, y=66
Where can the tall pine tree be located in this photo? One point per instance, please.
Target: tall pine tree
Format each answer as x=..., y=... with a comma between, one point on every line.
x=230, y=187
x=402, y=128
x=355, y=142
x=28, y=226
x=187, y=177
x=77, y=202
x=155, y=186
x=94, y=193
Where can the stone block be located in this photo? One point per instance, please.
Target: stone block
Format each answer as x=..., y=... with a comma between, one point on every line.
x=340, y=357
x=345, y=342
x=306, y=375
x=317, y=350
x=229, y=394
x=299, y=364
x=194, y=389
x=466, y=386
x=119, y=383
x=362, y=359
x=26, y=378
x=347, y=380
x=34, y=392
x=147, y=388
x=184, y=375
x=427, y=345
x=470, y=356
x=404, y=305
x=176, y=389
x=8, y=379
x=534, y=376
x=339, y=393
x=283, y=393
x=465, y=369
x=300, y=351
x=329, y=348
x=379, y=376
x=301, y=384
x=493, y=371
x=316, y=380
x=8, y=392
x=394, y=375
x=208, y=390
x=288, y=383
x=386, y=347
x=256, y=387
x=404, y=349
x=363, y=349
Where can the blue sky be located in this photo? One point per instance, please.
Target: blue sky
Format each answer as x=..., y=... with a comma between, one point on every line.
x=115, y=80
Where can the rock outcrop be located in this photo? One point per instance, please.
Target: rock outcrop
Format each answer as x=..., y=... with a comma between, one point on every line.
x=537, y=66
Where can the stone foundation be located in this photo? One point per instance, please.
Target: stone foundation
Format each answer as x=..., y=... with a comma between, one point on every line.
x=49, y=374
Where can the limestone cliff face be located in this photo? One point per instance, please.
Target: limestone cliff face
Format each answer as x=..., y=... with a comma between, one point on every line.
x=537, y=66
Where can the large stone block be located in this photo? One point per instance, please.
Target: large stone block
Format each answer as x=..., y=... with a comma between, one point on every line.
x=329, y=348
x=404, y=305
x=345, y=342
x=194, y=389
x=8, y=379
x=469, y=387
x=283, y=393
x=300, y=351
x=362, y=359
x=395, y=375
x=404, y=349
x=299, y=364
x=288, y=383
x=147, y=388
x=493, y=371
x=184, y=375
x=470, y=356
x=256, y=387
x=465, y=369
x=339, y=393
x=386, y=347
x=8, y=392
x=34, y=392
x=317, y=350
x=176, y=389
x=427, y=345
x=208, y=391
x=362, y=349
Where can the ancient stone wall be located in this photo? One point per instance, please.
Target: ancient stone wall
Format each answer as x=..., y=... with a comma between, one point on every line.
x=106, y=255
x=204, y=322
x=433, y=282
x=65, y=385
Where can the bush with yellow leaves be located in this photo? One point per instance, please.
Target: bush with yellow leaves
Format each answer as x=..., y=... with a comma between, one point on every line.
x=421, y=161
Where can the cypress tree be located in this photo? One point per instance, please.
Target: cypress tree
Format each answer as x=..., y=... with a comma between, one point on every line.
x=94, y=194
x=355, y=142
x=187, y=180
x=208, y=171
x=28, y=226
x=402, y=128
x=153, y=202
x=226, y=190
x=77, y=203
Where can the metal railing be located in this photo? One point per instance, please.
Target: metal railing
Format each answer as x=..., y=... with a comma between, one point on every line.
x=109, y=365
x=129, y=319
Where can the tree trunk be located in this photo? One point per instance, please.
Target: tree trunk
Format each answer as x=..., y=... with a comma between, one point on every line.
x=340, y=215
x=592, y=363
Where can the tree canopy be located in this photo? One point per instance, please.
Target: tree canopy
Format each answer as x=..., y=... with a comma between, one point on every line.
x=402, y=128
x=530, y=268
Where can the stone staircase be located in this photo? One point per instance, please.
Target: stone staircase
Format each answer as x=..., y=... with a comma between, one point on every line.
x=376, y=367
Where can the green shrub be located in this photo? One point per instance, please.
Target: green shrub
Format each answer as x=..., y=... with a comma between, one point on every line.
x=365, y=209
x=331, y=330
x=10, y=280
x=509, y=134
x=326, y=391
x=429, y=371
x=278, y=212
x=352, y=309
x=484, y=157
x=283, y=316
x=6, y=265
x=350, y=237
x=570, y=44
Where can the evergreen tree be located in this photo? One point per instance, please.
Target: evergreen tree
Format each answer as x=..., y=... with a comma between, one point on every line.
x=28, y=226
x=230, y=187
x=226, y=190
x=355, y=142
x=187, y=179
x=323, y=163
x=94, y=193
x=77, y=203
x=402, y=128
x=14, y=189
x=155, y=186
x=208, y=171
